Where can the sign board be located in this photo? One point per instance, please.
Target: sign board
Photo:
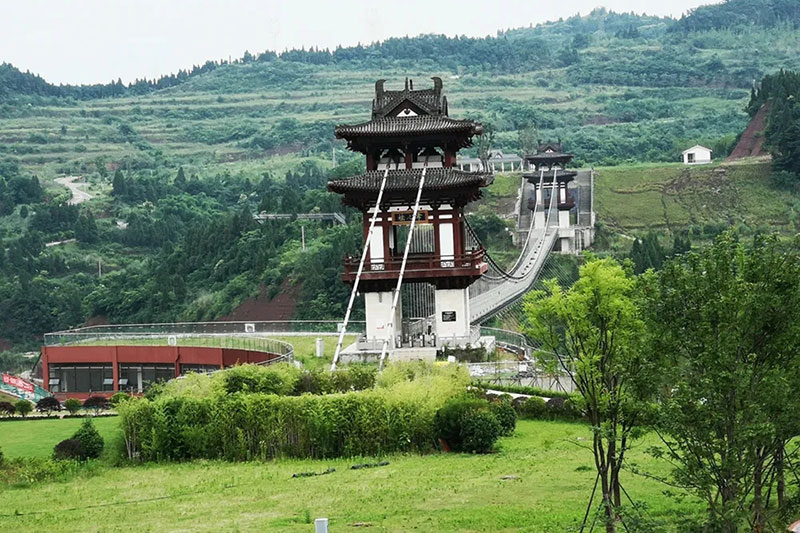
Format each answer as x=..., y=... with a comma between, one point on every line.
x=19, y=383
x=448, y=316
x=403, y=218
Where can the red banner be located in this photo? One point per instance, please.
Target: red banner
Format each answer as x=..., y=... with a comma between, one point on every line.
x=19, y=383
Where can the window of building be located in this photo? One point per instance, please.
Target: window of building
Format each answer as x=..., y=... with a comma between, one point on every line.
x=81, y=377
x=138, y=377
x=200, y=369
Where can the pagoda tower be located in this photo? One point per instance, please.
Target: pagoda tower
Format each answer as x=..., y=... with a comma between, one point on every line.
x=410, y=145
x=548, y=173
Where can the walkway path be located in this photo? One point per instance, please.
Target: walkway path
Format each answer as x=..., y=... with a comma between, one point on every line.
x=78, y=194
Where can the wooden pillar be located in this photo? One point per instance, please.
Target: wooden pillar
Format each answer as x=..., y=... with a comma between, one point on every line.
x=437, y=248
x=386, y=224
x=449, y=158
x=371, y=160
x=409, y=157
x=458, y=233
x=115, y=369
x=45, y=369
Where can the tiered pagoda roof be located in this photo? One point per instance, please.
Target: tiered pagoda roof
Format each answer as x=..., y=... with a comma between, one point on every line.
x=408, y=116
x=445, y=185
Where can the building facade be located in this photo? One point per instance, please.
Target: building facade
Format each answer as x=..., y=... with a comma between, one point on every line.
x=697, y=155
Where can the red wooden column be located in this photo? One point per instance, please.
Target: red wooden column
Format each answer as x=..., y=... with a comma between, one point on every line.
x=437, y=247
x=115, y=369
x=409, y=157
x=45, y=369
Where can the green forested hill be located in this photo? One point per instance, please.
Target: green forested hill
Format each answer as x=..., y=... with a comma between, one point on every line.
x=177, y=164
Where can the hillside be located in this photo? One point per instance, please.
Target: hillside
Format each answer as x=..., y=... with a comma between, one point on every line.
x=704, y=199
x=177, y=165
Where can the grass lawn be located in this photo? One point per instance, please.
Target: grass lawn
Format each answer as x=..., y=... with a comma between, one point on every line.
x=36, y=438
x=637, y=198
x=440, y=492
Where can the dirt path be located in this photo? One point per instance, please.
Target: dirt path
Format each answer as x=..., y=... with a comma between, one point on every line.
x=78, y=195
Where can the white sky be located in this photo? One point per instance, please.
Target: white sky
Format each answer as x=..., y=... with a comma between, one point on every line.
x=89, y=41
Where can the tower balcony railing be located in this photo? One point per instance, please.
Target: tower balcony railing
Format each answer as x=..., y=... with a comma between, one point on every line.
x=425, y=265
x=568, y=204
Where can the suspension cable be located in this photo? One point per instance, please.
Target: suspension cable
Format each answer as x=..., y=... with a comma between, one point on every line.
x=396, y=296
x=360, y=271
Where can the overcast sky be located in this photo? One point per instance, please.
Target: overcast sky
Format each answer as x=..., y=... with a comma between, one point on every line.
x=88, y=41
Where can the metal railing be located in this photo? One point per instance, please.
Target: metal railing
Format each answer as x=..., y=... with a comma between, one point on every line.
x=417, y=263
x=235, y=329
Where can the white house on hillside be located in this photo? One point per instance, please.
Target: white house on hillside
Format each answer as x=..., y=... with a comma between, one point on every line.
x=697, y=155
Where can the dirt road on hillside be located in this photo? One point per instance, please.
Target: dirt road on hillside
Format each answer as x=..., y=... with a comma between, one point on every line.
x=78, y=195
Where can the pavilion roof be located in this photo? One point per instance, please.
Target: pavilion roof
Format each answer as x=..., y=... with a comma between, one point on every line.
x=407, y=180
x=404, y=126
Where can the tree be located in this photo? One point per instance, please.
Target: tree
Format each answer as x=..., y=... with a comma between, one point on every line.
x=48, y=404
x=23, y=407
x=485, y=143
x=86, y=228
x=98, y=403
x=72, y=405
x=180, y=179
x=118, y=185
x=727, y=318
x=7, y=409
x=528, y=140
x=90, y=439
x=596, y=331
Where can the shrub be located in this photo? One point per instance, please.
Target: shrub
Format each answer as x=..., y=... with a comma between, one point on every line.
x=118, y=398
x=563, y=409
x=73, y=405
x=275, y=379
x=455, y=426
x=98, y=403
x=90, y=439
x=23, y=407
x=48, y=404
x=36, y=469
x=505, y=414
x=479, y=431
x=69, y=449
x=7, y=409
x=313, y=383
x=2, y=458
x=533, y=407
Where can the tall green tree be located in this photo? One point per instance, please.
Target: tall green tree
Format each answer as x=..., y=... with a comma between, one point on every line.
x=728, y=320
x=596, y=331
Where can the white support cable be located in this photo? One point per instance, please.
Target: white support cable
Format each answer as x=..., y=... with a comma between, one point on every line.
x=360, y=271
x=396, y=296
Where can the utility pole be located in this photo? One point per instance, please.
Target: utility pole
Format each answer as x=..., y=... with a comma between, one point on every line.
x=99, y=267
x=303, y=236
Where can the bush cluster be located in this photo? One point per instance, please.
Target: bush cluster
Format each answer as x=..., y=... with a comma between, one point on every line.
x=245, y=426
x=69, y=449
x=553, y=409
x=280, y=379
x=467, y=424
x=86, y=443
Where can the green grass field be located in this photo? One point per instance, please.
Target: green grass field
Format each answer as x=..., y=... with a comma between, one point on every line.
x=441, y=492
x=649, y=196
x=36, y=438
